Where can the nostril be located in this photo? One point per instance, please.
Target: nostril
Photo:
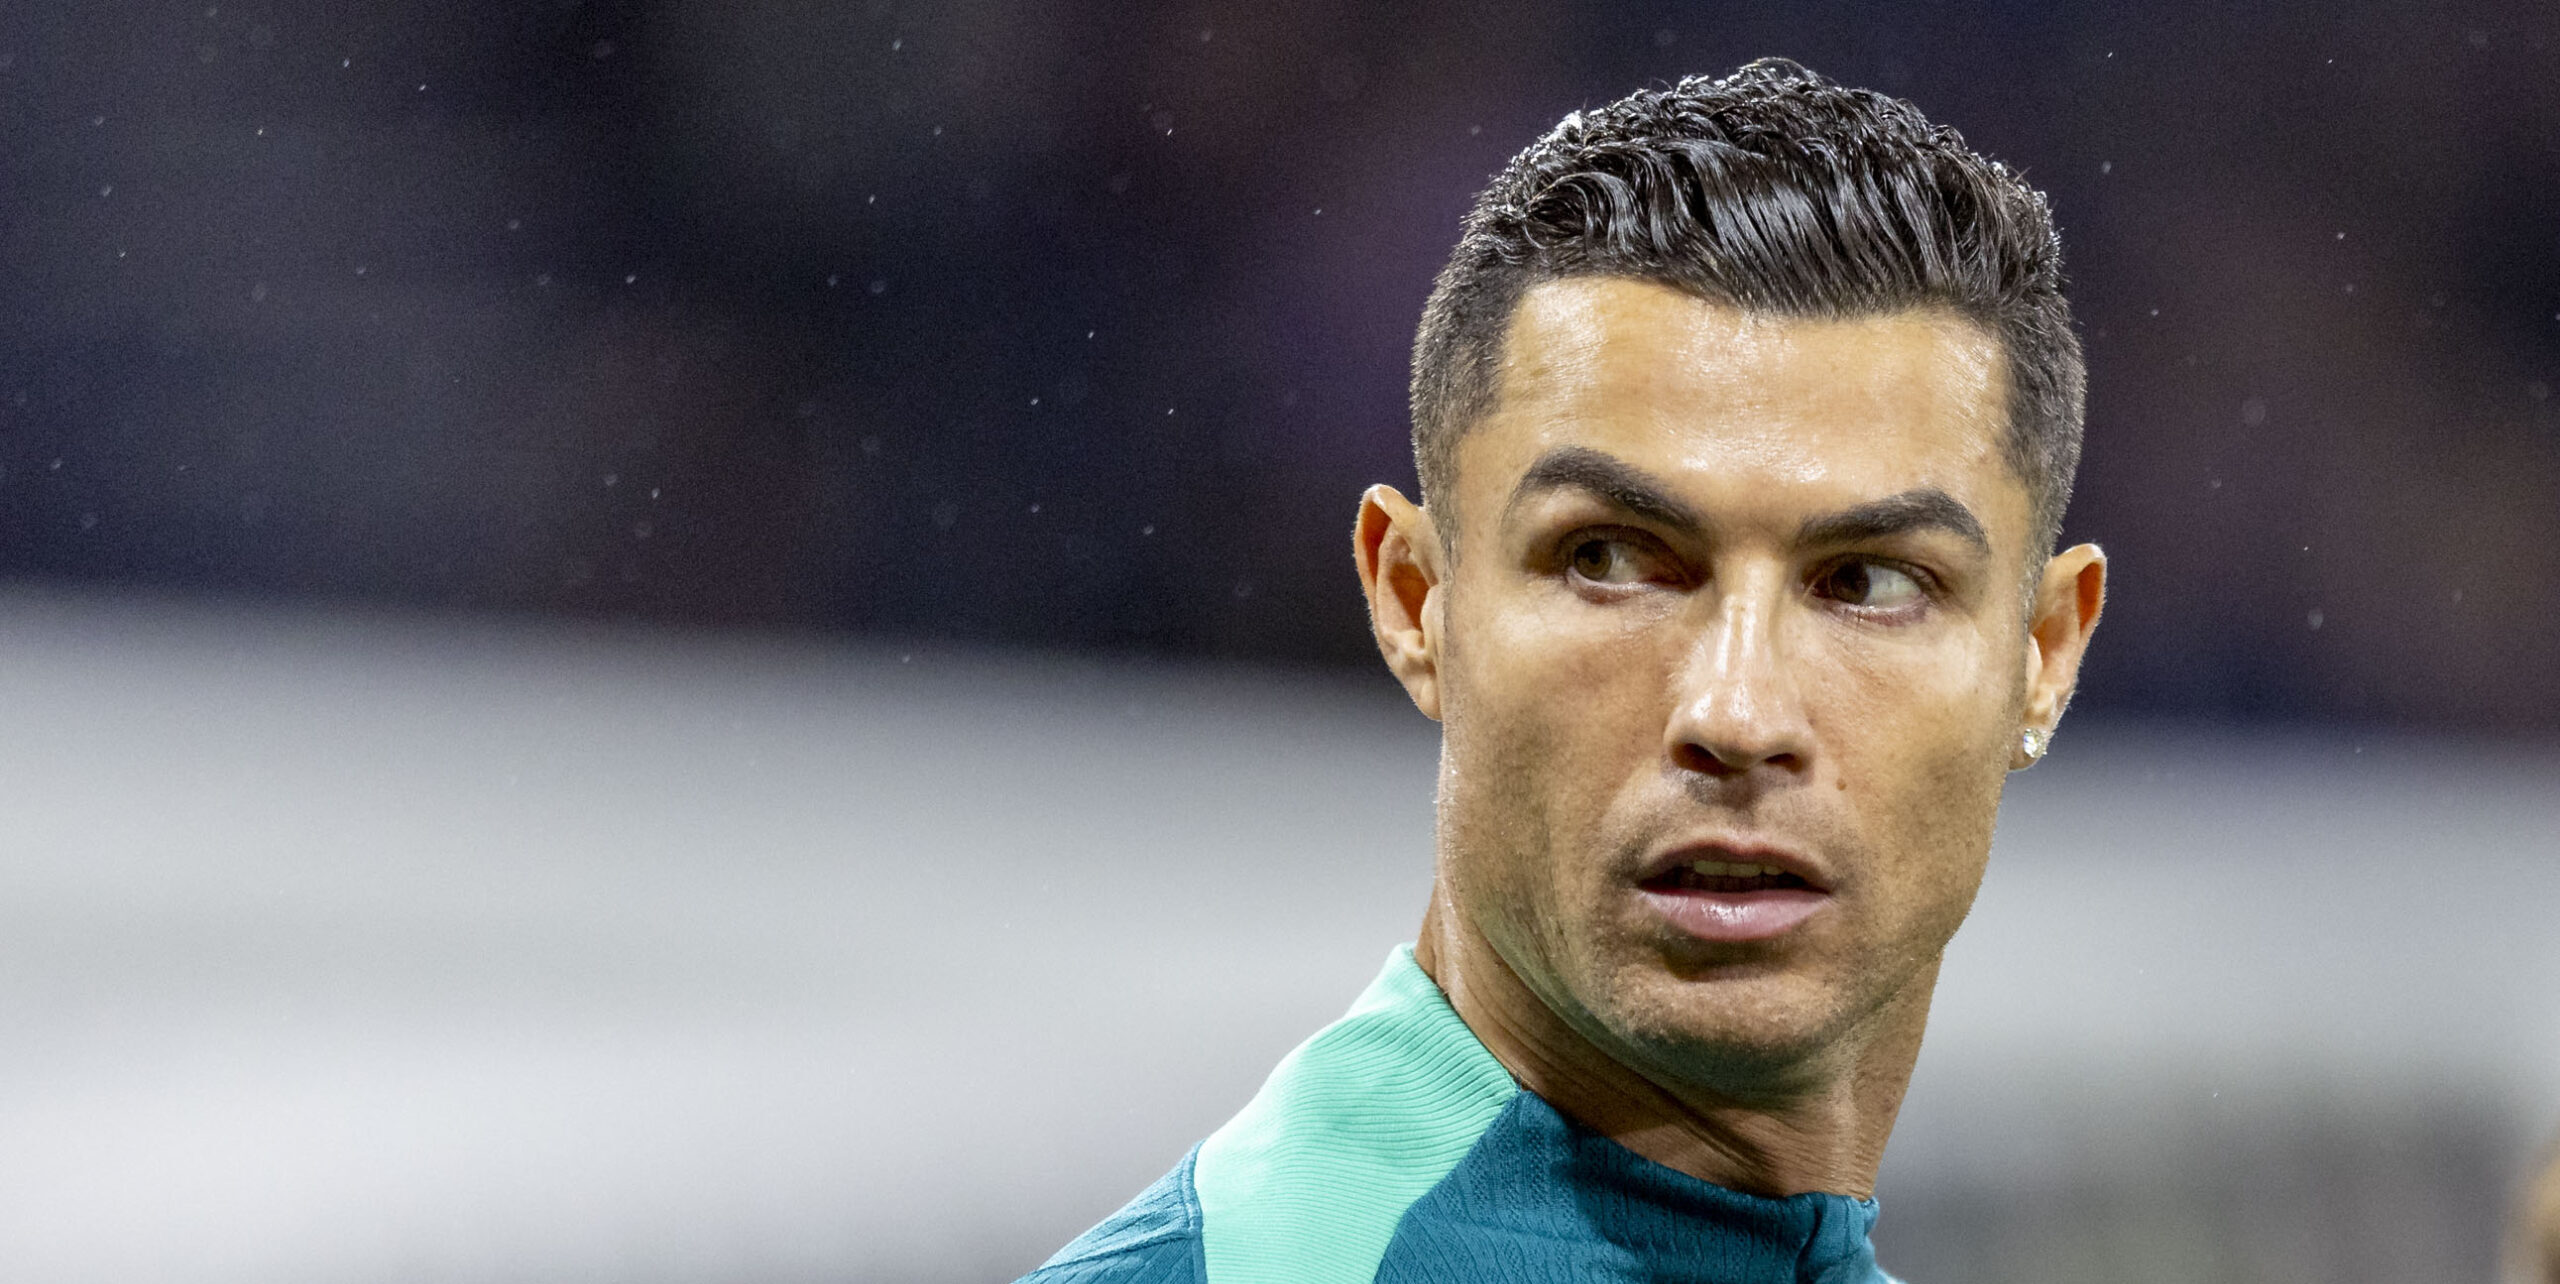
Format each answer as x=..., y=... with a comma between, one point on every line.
x=1729, y=760
x=1693, y=757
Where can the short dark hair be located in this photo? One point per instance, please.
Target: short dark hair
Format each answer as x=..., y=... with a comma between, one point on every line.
x=1775, y=190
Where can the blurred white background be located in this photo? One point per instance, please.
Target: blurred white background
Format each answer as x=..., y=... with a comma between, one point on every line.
x=339, y=948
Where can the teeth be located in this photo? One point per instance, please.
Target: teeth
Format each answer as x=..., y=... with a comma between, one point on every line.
x=1730, y=869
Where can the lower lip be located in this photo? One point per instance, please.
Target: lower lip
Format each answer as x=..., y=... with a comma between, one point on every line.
x=1737, y=916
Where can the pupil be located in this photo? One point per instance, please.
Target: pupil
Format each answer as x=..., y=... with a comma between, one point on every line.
x=1852, y=581
x=1593, y=560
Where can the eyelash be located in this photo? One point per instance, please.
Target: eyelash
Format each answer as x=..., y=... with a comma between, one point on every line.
x=1932, y=589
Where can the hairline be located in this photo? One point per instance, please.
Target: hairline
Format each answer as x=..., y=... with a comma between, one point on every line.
x=1441, y=501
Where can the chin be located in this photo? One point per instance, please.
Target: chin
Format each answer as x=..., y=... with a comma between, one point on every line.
x=1727, y=1028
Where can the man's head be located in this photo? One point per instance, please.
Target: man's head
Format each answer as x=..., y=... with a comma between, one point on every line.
x=1775, y=191
x=1745, y=414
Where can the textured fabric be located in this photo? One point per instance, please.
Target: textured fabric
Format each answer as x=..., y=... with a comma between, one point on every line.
x=1155, y=1239
x=1393, y=1147
x=1306, y=1185
x=1543, y=1200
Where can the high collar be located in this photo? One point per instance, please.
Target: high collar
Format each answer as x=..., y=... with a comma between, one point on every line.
x=1543, y=1198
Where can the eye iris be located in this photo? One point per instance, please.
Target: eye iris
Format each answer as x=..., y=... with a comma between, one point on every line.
x=1595, y=559
x=1866, y=584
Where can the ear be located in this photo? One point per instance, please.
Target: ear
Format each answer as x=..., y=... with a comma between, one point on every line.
x=2068, y=599
x=1399, y=553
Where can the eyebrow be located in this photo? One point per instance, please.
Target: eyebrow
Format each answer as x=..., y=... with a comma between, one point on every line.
x=1606, y=477
x=1628, y=487
x=1924, y=508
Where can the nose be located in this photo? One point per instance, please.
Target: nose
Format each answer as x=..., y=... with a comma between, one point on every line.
x=1738, y=708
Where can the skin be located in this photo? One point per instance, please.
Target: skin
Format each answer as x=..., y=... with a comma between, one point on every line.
x=2536, y=1248
x=1712, y=577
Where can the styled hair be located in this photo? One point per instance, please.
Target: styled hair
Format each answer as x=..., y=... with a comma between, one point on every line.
x=1771, y=190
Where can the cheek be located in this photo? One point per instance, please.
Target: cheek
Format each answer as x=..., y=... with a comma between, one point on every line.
x=1918, y=743
x=1539, y=719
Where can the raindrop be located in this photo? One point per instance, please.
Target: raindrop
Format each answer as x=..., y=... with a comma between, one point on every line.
x=896, y=45
x=1035, y=401
x=2315, y=619
x=641, y=530
x=2253, y=411
x=879, y=287
x=108, y=190
x=88, y=521
x=258, y=292
x=610, y=479
x=653, y=492
x=2106, y=167
x=542, y=278
x=515, y=225
x=832, y=278
x=632, y=279
x=1146, y=530
x=1035, y=508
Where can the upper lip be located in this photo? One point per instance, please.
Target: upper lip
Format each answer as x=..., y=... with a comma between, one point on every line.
x=1737, y=851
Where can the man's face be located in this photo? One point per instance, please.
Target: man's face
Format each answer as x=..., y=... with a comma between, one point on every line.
x=1731, y=659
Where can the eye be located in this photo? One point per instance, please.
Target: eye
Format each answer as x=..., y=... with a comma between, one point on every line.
x=1876, y=586
x=1607, y=560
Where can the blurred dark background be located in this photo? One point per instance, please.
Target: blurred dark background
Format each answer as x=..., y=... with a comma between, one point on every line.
x=1080, y=325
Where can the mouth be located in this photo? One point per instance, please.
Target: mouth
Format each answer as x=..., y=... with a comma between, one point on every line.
x=1725, y=878
x=1723, y=895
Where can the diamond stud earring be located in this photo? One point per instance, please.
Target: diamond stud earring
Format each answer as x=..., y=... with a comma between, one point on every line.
x=2033, y=743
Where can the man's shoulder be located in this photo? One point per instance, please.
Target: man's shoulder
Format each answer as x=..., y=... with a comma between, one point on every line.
x=1307, y=1184
x=1153, y=1239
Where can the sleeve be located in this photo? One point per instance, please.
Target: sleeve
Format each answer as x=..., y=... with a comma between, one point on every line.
x=1154, y=1239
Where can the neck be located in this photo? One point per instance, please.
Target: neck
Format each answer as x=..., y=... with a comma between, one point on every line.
x=1816, y=1125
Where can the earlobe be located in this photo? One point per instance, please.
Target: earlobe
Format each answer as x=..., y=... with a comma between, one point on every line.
x=1398, y=553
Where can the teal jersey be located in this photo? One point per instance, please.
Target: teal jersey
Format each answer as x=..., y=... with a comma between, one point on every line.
x=1393, y=1147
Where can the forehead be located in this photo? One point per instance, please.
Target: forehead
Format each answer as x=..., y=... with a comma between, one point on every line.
x=1823, y=410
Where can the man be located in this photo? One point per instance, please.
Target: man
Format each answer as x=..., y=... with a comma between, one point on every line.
x=1745, y=413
